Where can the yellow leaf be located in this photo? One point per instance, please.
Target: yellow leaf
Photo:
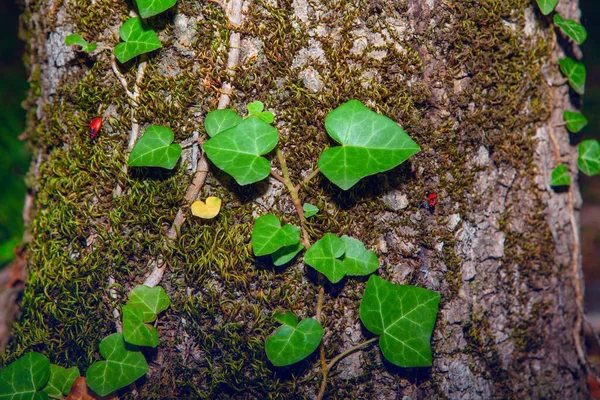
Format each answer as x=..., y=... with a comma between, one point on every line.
x=207, y=210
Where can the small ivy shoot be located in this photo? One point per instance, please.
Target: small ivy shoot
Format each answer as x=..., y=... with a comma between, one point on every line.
x=155, y=149
x=137, y=39
x=78, y=40
x=575, y=73
x=149, y=8
x=572, y=29
x=560, y=176
x=575, y=121
x=293, y=341
x=309, y=210
x=547, y=6
x=589, y=157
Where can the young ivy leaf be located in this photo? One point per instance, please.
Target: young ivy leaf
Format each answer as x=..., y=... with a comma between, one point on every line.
x=151, y=301
x=370, y=143
x=560, y=176
x=589, y=157
x=309, y=210
x=135, y=331
x=293, y=341
x=238, y=150
x=357, y=259
x=287, y=318
x=155, y=149
x=404, y=317
x=575, y=73
x=218, y=121
x=25, y=378
x=256, y=109
x=575, y=121
x=207, y=210
x=124, y=365
x=148, y=8
x=572, y=29
x=61, y=380
x=77, y=39
x=137, y=39
x=324, y=256
x=546, y=6
x=268, y=236
x=285, y=254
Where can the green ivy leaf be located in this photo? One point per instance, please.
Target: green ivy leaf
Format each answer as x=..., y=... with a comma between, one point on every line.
x=546, y=6
x=285, y=254
x=404, y=317
x=268, y=236
x=77, y=39
x=218, y=121
x=150, y=301
x=287, y=318
x=135, y=331
x=293, y=342
x=589, y=157
x=357, y=259
x=370, y=143
x=238, y=150
x=324, y=256
x=124, y=365
x=137, y=39
x=148, y=8
x=309, y=210
x=560, y=176
x=572, y=29
x=155, y=149
x=575, y=73
x=255, y=108
x=575, y=121
x=24, y=378
x=61, y=380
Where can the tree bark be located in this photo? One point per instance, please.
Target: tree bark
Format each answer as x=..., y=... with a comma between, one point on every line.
x=474, y=83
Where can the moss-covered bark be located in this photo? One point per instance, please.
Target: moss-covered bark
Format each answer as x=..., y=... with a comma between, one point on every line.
x=468, y=80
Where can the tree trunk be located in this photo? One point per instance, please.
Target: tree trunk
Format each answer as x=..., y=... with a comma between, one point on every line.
x=474, y=83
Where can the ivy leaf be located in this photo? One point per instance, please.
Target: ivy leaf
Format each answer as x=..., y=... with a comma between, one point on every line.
x=135, y=331
x=238, y=150
x=61, y=380
x=309, y=210
x=575, y=73
x=546, y=6
x=151, y=301
x=148, y=8
x=77, y=39
x=404, y=317
x=155, y=149
x=575, y=121
x=207, y=210
x=124, y=365
x=572, y=29
x=560, y=176
x=285, y=254
x=589, y=157
x=293, y=342
x=268, y=236
x=137, y=39
x=324, y=256
x=256, y=109
x=357, y=259
x=25, y=377
x=370, y=143
x=218, y=121
x=287, y=319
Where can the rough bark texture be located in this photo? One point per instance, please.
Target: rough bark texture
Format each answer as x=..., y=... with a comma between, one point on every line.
x=474, y=83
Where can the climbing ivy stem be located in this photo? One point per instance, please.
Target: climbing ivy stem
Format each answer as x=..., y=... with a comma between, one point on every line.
x=338, y=358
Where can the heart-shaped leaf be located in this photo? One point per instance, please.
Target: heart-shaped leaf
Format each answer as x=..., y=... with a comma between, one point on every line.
x=575, y=73
x=218, y=121
x=148, y=8
x=285, y=254
x=324, y=256
x=124, y=365
x=151, y=301
x=238, y=150
x=155, y=149
x=371, y=143
x=288, y=318
x=61, y=380
x=135, y=331
x=575, y=121
x=572, y=29
x=25, y=377
x=560, y=176
x=207, y=210
x=256, y=108
x=357, y=259
x=546, y=6
x=137, y=38
x=268, y=236
x=404, y=317
x=293, y=342
x=589, y=157
x=77, y=39
x=309, y=210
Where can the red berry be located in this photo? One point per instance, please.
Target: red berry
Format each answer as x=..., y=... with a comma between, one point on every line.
x=95, y=126
x=432, y=199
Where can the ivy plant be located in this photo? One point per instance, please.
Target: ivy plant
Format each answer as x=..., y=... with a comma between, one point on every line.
x=560, y=176
x=77, y=39
x=269, y=237
x=571, y=28
x=589, y=157
x=149, y=8
x=547, y=6
x=575, y=121
x=309, y=210
x=293, y=341
x=137, y=38
x=575, y=73
x=155, y=149
x=61, y=380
